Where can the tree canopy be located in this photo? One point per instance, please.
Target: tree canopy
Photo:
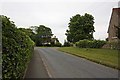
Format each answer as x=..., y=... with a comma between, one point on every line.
x=43, y=35
x=80, y=27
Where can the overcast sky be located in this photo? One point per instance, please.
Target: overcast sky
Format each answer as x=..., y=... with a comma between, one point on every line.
x=57, y=13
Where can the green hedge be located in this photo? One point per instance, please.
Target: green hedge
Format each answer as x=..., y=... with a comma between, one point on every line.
x=17, y=50
x=90, y=43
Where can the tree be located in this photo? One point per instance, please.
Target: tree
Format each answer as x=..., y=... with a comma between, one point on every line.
x=80, y=27
x=43, y=35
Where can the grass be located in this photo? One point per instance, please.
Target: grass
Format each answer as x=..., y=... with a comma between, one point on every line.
x=106, y=57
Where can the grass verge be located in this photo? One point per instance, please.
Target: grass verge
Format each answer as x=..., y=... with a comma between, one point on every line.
x=106, y=57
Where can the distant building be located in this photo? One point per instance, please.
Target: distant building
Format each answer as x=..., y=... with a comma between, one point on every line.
x=114, y=25
x=114, y=30
x=54, y=40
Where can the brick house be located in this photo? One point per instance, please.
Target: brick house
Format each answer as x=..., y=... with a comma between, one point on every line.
x=114, y=25
x=114, y=30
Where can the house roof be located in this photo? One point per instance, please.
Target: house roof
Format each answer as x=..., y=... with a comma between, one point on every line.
x=114, y=11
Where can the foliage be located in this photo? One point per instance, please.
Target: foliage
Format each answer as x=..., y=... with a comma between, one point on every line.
x=17, y=50
x=90, y=43
x=114, y=45
x=28, y=32
x=80, y=27
x=66, y=44
x=43, y=35
x=58, y=44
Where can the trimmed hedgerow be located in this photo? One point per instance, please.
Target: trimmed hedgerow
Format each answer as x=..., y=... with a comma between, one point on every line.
x=17, y=50
x=90, y=43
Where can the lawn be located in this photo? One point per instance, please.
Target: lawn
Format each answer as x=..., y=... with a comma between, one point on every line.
x=106, y=57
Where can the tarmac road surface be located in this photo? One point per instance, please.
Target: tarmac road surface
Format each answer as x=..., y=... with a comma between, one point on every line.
x=57, y=64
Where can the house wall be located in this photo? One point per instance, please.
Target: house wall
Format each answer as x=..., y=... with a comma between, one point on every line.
x=112, y=32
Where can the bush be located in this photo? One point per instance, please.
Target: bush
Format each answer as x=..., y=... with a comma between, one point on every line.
x=67, y=44
x=58, y=44
x=17, y=50
x=90, y=43
x=114, y=45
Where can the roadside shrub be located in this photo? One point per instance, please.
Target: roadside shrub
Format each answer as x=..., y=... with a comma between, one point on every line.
x=114, y=45
x=58, y=44
x=67, y=44
x=90, y=43
x=17, y=50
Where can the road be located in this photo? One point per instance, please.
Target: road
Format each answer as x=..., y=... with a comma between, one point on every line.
x=62, y=65
x=36, y=68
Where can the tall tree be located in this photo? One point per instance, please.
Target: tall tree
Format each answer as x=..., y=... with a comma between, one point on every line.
x=43, y=35
x=80, y=27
